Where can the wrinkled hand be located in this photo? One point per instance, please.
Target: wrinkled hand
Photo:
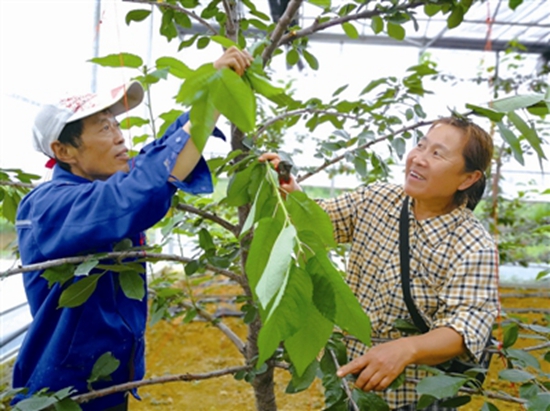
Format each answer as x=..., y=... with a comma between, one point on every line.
x=287, y=186
x=380, y=365
x=234, y=59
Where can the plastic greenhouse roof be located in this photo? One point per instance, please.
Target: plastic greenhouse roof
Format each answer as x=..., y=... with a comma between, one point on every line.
x=488, y=25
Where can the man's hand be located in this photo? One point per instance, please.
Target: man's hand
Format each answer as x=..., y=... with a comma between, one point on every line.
x=287, y=182
x=380, y=365
x=234, y=59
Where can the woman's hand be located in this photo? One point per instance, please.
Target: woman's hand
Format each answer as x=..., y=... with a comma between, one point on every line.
x=287, y=186
x=235, y=59
x=379, y=366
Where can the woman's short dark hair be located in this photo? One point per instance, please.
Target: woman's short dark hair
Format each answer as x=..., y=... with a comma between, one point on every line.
x=70, y=135
x=477, y=153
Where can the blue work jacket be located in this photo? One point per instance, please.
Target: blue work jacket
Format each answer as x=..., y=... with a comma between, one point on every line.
x=69, y=216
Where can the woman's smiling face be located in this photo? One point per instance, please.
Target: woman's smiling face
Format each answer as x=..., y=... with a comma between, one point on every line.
x=434, y=169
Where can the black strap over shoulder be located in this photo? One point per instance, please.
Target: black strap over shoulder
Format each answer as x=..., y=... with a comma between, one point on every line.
x=404, y=260
x=405, y=270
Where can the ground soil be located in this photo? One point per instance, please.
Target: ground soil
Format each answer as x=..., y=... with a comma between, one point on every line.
x=199, y=347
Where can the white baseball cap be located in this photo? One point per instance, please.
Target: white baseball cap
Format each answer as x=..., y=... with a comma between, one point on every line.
x=51, y=119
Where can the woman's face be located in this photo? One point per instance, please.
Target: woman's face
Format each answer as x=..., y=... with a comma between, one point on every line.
x=435, y=167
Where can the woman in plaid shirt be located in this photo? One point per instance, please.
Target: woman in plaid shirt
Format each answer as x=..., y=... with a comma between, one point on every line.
x=453, y=260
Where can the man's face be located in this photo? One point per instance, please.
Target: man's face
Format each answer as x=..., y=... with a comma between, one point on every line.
x=435, y=167
x=102, y=151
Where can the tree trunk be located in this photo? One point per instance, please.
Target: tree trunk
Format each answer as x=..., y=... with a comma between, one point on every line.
x=263, y=384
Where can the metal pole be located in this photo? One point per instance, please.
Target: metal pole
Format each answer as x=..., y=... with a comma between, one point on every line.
x=95, y=46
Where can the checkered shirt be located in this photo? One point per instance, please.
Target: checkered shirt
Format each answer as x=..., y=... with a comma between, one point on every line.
x=452, y=270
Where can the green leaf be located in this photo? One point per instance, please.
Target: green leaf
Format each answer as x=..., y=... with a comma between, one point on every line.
x=396, y=31
x=35, y=403
x=60, y=274
x=292, y=57
x=456, y=17
x=265, y=235
x=175, y=67
x=196, y=84
x=369, y=401
x=299, y=383
x=78, y=292
x=540, y=403
x=262, y=86
x=85, y=267
x=334, y=299
x=512, y=141
x=311, y=60
x=527, y=132
x=130, y=122
x=511, y=333
x=524, y=357
x=307, y=215
x=9, y=207
x=67, y=404
x=203, y=42
x=377, y=24
x=119, y=60
x=304, y=346
x=399, y=145
x=234, y=99
x=224, y=41
x=514, y=103
x=350, y=30
x=277, y=265
x=132, y=285
x=137, y=15
x=431, y=9
x=123, y=245
x=237, y=189
x=202, y=117
x=514, y=4
x=103, y=368
x=515, y=375
x=321, y=3
x=486, y=112
x=488, y=406
x=440, y=386
x=456, y=402
x=285, y=319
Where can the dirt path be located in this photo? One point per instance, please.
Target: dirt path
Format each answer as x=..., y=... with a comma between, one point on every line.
x=199, y=347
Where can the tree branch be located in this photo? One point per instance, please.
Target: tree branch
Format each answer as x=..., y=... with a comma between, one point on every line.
x=298, y=112
x=316, y=26
x=282, y=25
x=362, y=147
x=344, y=383
x=158, y=380
x=209, y=216
x=221, y=326
x=115, y=255
x=191, y=14
x=16, y=184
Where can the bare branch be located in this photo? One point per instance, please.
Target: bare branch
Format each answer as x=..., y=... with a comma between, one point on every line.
x=191, y=14
x=16, y=184
x=231, y=27
x=115, y=255
x=488, y=394
x=344, y=383
x=159, y=380
x=362, y=147
x=222, y=327
x=209, y=216
x=283, y=23
x=298, y=112
x=316, y=26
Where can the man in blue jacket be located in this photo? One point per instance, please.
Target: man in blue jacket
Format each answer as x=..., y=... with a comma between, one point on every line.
x=97, y=197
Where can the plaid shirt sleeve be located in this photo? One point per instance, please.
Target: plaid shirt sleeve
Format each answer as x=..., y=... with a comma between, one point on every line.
x=470, y=299
x=342, y=211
